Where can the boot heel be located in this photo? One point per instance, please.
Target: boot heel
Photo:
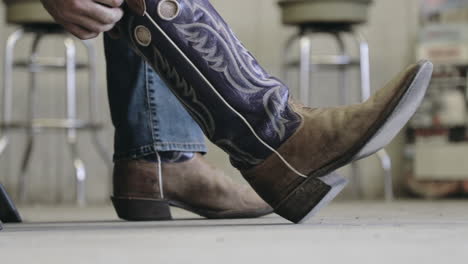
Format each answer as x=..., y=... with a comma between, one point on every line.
x=137, y=209
x=306, y=200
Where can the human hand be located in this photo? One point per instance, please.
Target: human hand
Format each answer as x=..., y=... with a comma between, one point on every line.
x=85, y=19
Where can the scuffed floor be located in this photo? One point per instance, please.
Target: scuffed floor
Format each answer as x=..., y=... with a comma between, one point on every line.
x=401, y=232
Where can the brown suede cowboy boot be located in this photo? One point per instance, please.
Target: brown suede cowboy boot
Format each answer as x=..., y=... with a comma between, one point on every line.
x=286, y=151
x=143, y=192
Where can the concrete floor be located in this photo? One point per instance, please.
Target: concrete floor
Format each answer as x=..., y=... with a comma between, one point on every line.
x=402, y=232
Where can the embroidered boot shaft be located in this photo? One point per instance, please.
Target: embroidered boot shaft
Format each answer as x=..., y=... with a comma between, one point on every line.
x=220, y=59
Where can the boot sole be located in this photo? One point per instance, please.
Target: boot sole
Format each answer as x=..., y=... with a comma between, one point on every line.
x=210, y=214
x=318, y=190
x=138, y=209
x=401, y=114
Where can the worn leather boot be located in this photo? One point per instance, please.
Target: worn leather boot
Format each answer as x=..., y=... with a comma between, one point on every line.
x=286, y=151
x=144, y=192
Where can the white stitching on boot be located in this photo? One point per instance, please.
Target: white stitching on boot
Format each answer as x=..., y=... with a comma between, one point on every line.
x=161, y=189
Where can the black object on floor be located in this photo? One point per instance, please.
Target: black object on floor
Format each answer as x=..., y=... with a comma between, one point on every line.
x=8, y=211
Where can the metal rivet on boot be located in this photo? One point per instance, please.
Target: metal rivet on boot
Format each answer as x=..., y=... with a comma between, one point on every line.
x=168, y=9
x=143, y=36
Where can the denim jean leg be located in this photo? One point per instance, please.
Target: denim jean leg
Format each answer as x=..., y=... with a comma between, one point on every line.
x=146, y=115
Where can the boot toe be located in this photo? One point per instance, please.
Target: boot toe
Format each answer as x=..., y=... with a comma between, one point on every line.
x=402, y=112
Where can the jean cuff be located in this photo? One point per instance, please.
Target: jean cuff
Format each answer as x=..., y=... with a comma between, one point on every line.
x=143, y=151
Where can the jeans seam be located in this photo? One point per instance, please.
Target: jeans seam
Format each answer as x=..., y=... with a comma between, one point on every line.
x=166, y=143
x=153, y=148
x=148, y=102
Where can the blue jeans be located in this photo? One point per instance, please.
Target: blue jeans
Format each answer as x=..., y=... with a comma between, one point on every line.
x=147, y=117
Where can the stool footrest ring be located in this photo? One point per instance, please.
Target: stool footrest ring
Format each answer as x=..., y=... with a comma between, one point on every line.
x=52, y=124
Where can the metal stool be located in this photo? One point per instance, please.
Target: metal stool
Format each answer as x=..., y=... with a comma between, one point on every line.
x=336, y=18
x=35, y=21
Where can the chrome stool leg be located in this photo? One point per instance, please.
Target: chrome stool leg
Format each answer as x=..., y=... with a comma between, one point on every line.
x=7, y=90
x=80, y=171
x=286, y=51
x=93, y=109
x=31, y=110
x=93, y=103
x=343, y=71
x=364, y=66
x=7, y=95
x=305, y=68
x=356, y=183
x=386, y=163
x=345, y=99
x=71, y=124
x=385, y=160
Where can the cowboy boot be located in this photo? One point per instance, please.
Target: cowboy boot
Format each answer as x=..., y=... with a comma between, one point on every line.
x=286, y=151
x=145, y=189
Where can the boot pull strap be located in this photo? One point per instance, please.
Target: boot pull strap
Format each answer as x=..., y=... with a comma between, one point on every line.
x=137, y=6
x=160, y=175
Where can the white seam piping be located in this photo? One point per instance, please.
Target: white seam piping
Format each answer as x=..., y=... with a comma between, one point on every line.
x=161, y=189
x=225, y=102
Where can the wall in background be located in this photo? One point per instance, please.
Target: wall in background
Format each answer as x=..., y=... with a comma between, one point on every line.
x=390, y=32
